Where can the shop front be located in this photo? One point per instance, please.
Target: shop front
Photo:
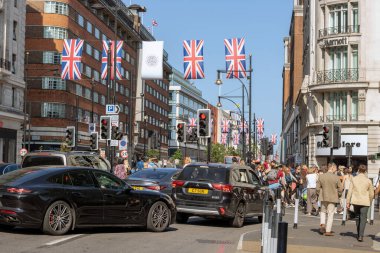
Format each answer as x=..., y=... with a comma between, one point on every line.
x=358, y=143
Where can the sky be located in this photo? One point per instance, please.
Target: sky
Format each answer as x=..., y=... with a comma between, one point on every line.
x=262, y=23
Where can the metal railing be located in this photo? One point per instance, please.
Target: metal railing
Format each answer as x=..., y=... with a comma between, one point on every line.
x=331, y=118
x=338, y=75
x=339, y=30
x=5, y=64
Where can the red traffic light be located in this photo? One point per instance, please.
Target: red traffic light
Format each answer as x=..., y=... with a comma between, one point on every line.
x=180, y=126
x=202, y=116
x=104, y=122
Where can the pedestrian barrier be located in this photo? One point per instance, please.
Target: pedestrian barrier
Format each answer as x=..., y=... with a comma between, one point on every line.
x=297, y=202
x=372, y=215
x=344, y=208
x=271, y=238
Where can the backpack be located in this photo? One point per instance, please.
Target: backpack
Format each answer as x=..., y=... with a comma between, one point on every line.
x=272, y=175
x=288, y=179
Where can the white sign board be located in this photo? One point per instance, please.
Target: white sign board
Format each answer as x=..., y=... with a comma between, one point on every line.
x=114, y=143
x=123, y=143
x=112, y=109
x=115, y=120
x=92, y=127
x=358, y=142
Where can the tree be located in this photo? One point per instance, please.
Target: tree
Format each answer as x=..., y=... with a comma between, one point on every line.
x=218, y=151
x=232, y=151
x=177, y=155
x=153, y=153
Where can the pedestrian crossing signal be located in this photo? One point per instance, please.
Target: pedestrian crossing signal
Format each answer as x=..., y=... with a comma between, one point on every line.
x=70, y=136
x=181, y=132
x=94, y=141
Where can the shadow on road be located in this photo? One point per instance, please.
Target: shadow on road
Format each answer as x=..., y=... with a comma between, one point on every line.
x=218, y=222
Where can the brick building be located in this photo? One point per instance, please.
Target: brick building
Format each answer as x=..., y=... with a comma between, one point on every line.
x=55, y=104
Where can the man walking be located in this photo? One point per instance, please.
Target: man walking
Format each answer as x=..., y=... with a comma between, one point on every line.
x=332, y=188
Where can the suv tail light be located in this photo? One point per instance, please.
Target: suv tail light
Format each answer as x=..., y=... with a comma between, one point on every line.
x=177, y=183
x=223, y=187
x=153, y=187
x=18, y=190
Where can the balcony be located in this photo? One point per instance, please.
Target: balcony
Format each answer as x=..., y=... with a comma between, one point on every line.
x=337, y=30
x=334, y=118
x=338, y=76
x=5, y=65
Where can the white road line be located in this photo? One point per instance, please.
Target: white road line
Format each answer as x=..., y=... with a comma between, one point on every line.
x=62, y=240
x=376, y=243
x=240, y=243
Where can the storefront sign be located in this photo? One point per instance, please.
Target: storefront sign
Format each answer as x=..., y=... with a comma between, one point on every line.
x=335, y=42
x=358, y=143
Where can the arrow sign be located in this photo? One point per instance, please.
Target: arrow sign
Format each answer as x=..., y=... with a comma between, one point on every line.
x=112, y=109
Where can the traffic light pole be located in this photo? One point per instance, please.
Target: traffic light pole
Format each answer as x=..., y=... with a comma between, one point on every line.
x=331, y=155
x=208, y=149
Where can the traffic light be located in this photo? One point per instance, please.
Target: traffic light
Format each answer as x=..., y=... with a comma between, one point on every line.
x=70, y=136
x=94, y=142
x=336, y=136
x=264, y=145
x=326, y=142
x=181, y=132
x=116, y=135
x=270, y=148
x=204, y=123
x=105, y=127
x=192, y=136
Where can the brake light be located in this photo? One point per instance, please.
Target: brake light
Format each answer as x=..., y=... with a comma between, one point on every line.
x=153, y=187
x=7, y=212
x=18, y=190
x=162, y=187
x=177, y=183
x=223, y=187
x=222, y=211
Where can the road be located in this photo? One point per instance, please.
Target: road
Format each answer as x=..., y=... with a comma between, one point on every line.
x=199, y=235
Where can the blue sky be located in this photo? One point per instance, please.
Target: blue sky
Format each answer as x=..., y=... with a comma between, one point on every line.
x=262, y=23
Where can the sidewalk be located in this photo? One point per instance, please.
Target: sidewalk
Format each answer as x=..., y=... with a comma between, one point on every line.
x=308, y=239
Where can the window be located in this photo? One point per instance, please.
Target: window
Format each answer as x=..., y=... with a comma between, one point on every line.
x=354, y=106
x=53, y=83
x=97, y=33
x=81, y=177
x=88, y=49
x=104, y=37
x=96, y=97
x=80, y=20
x=121, y=87
x=15, y=30
x=108, y=182
x=355, y=17
x=52, y=32
x=51, y=57
x=96, y=75
x=87, y=93
x=103, y=100
x=13, y=63
x=253, y=179
x=78, y=90
x=127, y=57
x=56, y=7
x=53, y=110
x=354, y=57
x=87, y=71
x=338, y=106
x=338, y=64
x=126, y=92
x=338, y=19
x=61, y=179
x=89, y=27
x=15, y=3
x=127, y=75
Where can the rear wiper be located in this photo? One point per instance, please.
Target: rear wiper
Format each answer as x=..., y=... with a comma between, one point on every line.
x=204, y=180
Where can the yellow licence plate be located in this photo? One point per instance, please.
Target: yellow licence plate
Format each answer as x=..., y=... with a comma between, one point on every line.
x=197, y=191
x=138, y=188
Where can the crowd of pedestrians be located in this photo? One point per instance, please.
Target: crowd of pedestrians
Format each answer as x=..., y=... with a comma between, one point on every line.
x=322, y=191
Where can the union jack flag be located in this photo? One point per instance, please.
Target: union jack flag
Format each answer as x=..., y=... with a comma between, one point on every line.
x=71, y=59
x=193, y=59
x=192, y=122
x=109, y=45
x=260, y=126
x=225, y=125
x=190, y=130
x=154, y=22
x=236, y=139
x=235, y=57
x=274, y=139
x=224, y=138
x=243, y=126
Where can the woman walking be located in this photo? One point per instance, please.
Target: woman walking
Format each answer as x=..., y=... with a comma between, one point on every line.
x=312, y=197
x=360, y=195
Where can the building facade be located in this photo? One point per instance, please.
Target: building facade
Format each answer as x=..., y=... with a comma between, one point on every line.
x=185, y=100
x=12, y=84
x=55, y=104
x=341, y=81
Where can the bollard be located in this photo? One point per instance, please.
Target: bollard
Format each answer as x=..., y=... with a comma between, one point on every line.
x=282, y=237
x=297, y=202
x=269, y=234
x=372, y=212
x=274, y=236
x=278, y=202
x=265, y=208
x=344, y=208
x=266, y=227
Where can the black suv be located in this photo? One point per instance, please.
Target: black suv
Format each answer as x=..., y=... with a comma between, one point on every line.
x=228, y=191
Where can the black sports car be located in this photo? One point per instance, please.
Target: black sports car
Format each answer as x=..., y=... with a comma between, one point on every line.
x=58, y=199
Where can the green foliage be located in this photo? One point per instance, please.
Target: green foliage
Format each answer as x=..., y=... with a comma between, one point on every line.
x=153, y=153
x=177, y=155
x=218, y=151
x=231, y=151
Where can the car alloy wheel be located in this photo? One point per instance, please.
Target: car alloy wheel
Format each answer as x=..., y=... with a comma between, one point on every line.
x=58, y=218
x=158, y=217
x=238, y=220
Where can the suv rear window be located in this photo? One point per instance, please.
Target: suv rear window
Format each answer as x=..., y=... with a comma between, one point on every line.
x=40, y=160
x=204, y=173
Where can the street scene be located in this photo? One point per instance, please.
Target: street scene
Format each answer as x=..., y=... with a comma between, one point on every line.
x=202, y=126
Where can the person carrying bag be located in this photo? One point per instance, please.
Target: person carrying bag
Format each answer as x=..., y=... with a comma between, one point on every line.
x=360, y=195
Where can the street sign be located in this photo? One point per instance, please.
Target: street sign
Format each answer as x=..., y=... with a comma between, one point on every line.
x=92, y=127
x=123, y=143
x=124, y=154
x=112, y=109
x=115, y=120
x=114, y=143
x=23, y=151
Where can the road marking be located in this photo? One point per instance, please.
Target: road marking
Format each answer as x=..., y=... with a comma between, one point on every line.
x=62, y=240
x=376, y=242
x=240, y=243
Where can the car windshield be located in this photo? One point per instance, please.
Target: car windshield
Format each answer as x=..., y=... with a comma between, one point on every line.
x=204, y=173
x=17, y=174
x=149, y=174
x=42, y=160
x=90, y=161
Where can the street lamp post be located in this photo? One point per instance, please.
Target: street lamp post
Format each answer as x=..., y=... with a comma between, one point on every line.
x=159, y=140
x=145, y=119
